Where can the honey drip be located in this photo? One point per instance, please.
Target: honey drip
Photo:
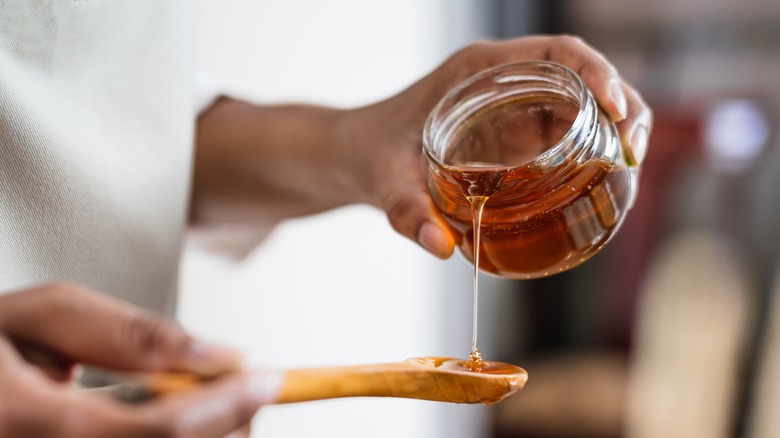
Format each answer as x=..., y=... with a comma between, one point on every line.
x=482, y=366
x=475, y=362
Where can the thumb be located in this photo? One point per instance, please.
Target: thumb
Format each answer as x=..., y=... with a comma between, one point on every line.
x=411, y=213
x=92, y=328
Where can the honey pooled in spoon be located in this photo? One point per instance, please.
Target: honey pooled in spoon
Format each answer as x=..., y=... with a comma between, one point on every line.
x=451, y=380
x=482, y=367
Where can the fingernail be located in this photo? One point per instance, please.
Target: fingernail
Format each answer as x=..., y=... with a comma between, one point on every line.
x=638, y=146
x=209, y=359
x=264, y=386
x=618, y=98
x=433, y=240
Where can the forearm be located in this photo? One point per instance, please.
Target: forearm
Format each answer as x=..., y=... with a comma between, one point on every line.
x=265, y=163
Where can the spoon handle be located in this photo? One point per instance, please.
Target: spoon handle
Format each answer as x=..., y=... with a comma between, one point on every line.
x=381, y=380
x=307, y=384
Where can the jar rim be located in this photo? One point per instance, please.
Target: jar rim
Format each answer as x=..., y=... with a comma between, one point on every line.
x=579, y=90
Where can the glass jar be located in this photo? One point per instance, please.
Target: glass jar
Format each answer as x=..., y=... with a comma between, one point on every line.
x=524, y=151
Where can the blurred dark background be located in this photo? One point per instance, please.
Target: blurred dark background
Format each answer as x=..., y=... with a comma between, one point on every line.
x=669, y=330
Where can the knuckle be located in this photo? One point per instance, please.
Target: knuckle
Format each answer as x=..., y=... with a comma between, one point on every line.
x=61, y=293
x=570, y=40
x=54, y=298
x=474, y=51
x=480, y=45
x=399, y=212
x=145, y=332
x=470, y=59
x=56, y=289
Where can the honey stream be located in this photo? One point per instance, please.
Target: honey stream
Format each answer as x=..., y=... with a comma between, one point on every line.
x=475, y=362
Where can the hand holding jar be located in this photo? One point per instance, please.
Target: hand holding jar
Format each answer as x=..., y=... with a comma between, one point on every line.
x=316, y=158
x=393, y=173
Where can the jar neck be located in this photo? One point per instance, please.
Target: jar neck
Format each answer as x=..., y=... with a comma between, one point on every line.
x=577, y=145
x=537, y=81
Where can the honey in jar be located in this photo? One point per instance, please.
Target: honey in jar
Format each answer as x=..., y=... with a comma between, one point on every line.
x=523, y=151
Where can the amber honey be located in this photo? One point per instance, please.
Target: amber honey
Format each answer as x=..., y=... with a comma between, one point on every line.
x=452, y=364
x=544, y=208
x=530, y=226
x=485, y=367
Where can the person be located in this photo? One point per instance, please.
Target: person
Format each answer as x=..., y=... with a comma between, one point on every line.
x=104, y=161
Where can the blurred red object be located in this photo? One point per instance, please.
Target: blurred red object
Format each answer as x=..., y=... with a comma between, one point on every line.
x=676, y=141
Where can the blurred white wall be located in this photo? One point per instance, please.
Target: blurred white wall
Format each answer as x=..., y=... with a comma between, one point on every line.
x=343, y=287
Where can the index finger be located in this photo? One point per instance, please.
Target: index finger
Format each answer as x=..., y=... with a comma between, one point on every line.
x=619, y=100
x=90, y=327
x=599, y=75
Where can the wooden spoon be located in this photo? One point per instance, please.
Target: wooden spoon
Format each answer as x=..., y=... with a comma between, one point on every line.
x=431, y=378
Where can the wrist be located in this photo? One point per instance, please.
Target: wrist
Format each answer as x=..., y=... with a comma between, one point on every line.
x=353, y=133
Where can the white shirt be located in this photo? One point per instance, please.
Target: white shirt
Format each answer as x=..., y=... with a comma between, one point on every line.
x=97, y=112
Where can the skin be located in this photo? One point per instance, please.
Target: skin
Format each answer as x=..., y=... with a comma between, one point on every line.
x=45, y=332
x=256, y=164
x=261, y=164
